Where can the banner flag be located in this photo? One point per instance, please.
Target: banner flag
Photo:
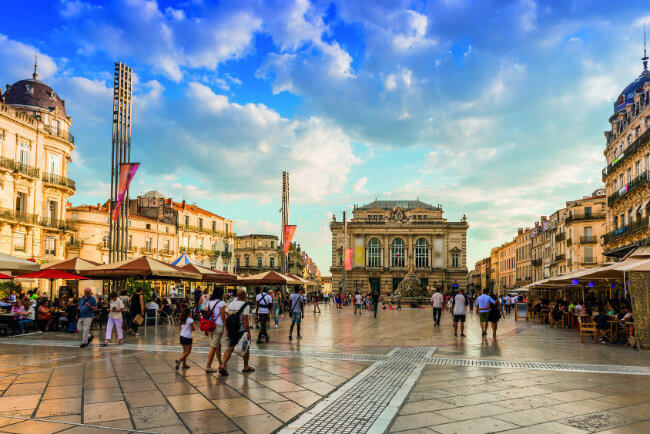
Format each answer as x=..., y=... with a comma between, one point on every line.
x=289, y=230
x=348, y=259
x=127, y=172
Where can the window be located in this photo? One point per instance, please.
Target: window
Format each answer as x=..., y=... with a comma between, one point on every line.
x=374, y=253
x=214, y=246
x=629, y=175
x=130, y=242
x=454, y=260
x=237, y=262
x=272, y=262
x=147, y=226
x=214, y=226
x=21, y=203
x=587, y=211
x=186, y=242
x=50, y=246
x=23, y=152
x=225, y=247
x=19, y=241
x=52, y=213
x=421, y=253
x=247, y=261
x=589, y=255
x=166, y=246
x=259, y=262
x=397, y=253
x=166, y=229
x=647, y=162
x=187, y=220
x=54, y=164
x=201, y=243
x=638, y=168
x=147, y=244
x=273, y=244
x=201, y=224
x=588, y=232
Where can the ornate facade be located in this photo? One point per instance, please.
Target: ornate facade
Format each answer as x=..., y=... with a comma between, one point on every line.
x=35, y=149
x=627, y=173
x=386, y=237
x=256, y=253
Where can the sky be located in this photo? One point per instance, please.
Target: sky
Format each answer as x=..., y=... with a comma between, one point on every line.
x=494, y=109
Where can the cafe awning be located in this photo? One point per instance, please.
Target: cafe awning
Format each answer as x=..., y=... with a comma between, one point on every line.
x=74, y=265
x=13, y=264
x=302, y=280
x=143, y=267
x=210, y=275
x=267, y=278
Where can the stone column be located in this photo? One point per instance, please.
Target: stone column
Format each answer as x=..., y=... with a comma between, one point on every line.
x=640, y=297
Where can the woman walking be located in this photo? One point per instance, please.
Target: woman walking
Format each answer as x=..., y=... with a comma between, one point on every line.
x=115, y=309
x=496, y=312
x=187, y=327
x=276, y=307
x=217, y=307
x=137, y=308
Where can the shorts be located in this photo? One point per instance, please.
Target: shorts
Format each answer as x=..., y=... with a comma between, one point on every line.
x=232, y=340
x=215, y=336
x=483, y=316
x=459, y=318
x=186, y=341
x=296, y=317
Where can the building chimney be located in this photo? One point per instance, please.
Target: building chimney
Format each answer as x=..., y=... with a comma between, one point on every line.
x=520, y=231
x=183, y=204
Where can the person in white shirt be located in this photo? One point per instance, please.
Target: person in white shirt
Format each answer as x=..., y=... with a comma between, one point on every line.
x=264, y=303
x=241, y=307
x=459, y=311
x=218, y=308
x=114, y=319
x=187, y=327
x=358, y=303
x=436, y=302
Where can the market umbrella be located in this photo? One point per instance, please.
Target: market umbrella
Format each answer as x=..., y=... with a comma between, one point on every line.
x=143, y=267
x=11, y=263
x=267, y=278
x=5, y=276
x=74, y=265
x=183, y=260
x=51, y=275
x=210, y=275
x=302, y=280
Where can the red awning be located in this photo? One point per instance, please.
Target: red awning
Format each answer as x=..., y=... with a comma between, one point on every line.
x=51, y=274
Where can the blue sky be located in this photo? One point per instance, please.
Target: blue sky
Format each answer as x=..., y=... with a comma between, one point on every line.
x=495, y=109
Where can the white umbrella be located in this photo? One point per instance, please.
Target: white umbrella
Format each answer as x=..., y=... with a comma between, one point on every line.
x=10, y=263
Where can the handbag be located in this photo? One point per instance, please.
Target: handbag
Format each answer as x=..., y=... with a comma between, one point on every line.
x=242, y=345
x=138, y=319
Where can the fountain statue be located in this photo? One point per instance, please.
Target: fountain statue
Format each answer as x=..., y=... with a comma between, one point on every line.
x=410, y=286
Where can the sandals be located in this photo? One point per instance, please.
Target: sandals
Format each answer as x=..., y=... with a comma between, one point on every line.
x=249, y=369
x=210, y=371
x=223, y=372
x=178, y=364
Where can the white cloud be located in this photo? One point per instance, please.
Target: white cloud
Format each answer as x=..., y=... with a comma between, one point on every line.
x=360, y=185
x=413, y=35
x=18, y=61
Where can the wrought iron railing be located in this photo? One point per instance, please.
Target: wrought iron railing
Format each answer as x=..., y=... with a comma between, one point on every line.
x=588, y=239
x=51, y=178
x=560, y=257
x=560, y=237
x=575, y=218
x=54, y=223
x=59, y=133
x=19, y=167
x=629, y=151
x=12, y=214
x=634, y=227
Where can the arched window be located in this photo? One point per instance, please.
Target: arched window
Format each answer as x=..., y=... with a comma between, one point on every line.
x=374, y=253
x=397, y=253
x=421, y=253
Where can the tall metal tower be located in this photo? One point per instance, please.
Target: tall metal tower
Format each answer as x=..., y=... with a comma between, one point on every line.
x=118, y=238
x=285, y=219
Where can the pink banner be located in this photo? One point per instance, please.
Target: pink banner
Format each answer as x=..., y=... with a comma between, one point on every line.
x=289, y=230
x=127, y=172
x=348, y=259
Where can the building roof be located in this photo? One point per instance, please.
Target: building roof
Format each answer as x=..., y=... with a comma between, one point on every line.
x=627, y=95
x=195, y=209
x=154, y=193
x=408, y=204
x=33, y=93
x=104, y=209
x=250, y=236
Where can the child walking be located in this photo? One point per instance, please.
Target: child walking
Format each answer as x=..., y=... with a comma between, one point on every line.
x=187, y=327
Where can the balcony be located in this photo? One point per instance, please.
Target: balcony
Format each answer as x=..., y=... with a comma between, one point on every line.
x=628, y=152
x=205, y=230
x=148, y=250
x=18, y=167
x=584, y=217
x=51, y=178
x=536, y=262
x=637, y=226
x=588, y=261
x=637, y=182
x=57, y=132
x=569, y=241
x=50, y=252
x=588, y=239
x=54, y=223
x=560, y=257
x=560, y=237
x=74, y=244
x=18, y=216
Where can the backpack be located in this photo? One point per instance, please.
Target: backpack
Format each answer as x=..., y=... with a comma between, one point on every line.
x=207, y=324
x=234, y=321
x=263, y=298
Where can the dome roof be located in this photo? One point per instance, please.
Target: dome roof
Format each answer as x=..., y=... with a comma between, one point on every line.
x=34, y=93
x=627, y=95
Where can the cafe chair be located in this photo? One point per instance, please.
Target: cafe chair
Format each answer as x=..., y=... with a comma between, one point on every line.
x=604, y=334
x=587, y=328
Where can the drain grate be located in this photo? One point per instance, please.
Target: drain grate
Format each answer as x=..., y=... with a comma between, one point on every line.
x=541, y=366
x=355, y=357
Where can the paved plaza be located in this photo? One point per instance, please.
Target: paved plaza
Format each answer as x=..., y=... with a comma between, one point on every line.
x=396, y=373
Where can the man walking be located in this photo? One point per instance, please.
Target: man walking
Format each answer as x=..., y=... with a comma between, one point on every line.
x=436, y=302
x=358, y=300
x=375, y=302
x=238, y=307
x=296, y=301
x=483, y=303
x=87, y=308
x=264, y=302
x=458, y=306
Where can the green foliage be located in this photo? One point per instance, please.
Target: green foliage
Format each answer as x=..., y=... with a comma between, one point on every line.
x=133, y=285
x=6, y=287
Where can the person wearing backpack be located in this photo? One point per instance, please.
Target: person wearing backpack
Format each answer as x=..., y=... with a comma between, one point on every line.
x=237, y=324
x=264, y=302
x=217, y=310
x=296, y=301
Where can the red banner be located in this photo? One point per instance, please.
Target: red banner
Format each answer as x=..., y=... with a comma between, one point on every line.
x=348, y=259
x=127, y=172
x=289, y=230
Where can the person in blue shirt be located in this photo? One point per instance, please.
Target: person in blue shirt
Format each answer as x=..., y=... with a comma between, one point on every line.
x=483, y=303
x=87, y=308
